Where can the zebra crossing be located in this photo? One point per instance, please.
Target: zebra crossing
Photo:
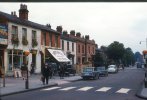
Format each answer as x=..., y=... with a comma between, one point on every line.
x=87, y=88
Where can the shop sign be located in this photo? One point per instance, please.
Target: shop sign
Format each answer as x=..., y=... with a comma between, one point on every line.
x=3, y=34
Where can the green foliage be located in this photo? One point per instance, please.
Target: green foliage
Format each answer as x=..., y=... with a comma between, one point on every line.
x=34, y=43
x=115, y=51
x=15, y=39
x=24, y=41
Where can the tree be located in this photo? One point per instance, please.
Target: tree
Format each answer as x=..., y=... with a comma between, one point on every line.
x=115, y=51
x=128, y=58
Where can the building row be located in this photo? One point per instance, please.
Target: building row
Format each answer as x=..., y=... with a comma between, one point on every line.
x=18, y=34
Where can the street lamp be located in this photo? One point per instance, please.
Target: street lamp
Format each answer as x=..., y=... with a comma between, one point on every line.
x=144, y=41
x=26, y=53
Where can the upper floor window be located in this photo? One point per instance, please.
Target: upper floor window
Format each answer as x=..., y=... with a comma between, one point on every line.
x=82, y=48
x=14, y=29
x=50, y=39
x=24, y=32
x=34, y=34
x=62, y=44
x=78, y=48
x=44, y=38
x=56, y=41
x=72, y=46
x=67, y=45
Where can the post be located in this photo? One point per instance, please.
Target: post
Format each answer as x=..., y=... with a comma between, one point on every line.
x=26, y=53
x=3, y=72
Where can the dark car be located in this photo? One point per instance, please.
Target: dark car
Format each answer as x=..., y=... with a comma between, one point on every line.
x=102, y=71
x=70, y=70
x=89, y=72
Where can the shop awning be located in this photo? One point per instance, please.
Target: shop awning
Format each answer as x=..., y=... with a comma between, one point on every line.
x=58, y=55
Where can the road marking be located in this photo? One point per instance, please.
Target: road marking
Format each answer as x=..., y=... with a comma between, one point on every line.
x=52, y=88
x=123, y=90
x=104, y=89
x=84, y=88
x=68, y=88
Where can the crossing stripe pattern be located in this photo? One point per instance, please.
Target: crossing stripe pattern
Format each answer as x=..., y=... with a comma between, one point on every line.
x=68, y=88
x=104, y=89
x=123, y=90
x=85, y=88
x=52, y=88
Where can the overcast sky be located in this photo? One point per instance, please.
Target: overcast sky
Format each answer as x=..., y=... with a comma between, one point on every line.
x=103, y=22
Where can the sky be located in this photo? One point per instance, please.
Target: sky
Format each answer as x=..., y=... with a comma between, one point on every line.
x=105, y=22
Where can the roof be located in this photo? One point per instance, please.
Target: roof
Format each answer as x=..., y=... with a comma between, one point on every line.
x=17, y=20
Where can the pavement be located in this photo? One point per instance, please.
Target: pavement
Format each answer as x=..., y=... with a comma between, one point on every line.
x=17, y=85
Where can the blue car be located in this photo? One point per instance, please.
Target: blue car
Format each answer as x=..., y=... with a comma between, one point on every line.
x=102, y=71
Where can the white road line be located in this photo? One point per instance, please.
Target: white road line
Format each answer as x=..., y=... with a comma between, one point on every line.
x=52, y=88
x=123, y=90
x=84, y=88
x=68, y=88
x=104, y=89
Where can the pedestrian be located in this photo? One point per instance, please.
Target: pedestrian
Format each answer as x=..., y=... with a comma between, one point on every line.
x=62, y=71
x=45, y=73
x=32, y=68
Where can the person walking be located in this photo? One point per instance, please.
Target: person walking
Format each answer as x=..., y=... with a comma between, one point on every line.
x=62, y=71
x=32, y=68
x=45, y=73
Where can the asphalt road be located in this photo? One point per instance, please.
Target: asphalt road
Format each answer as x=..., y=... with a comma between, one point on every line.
x=120, y=86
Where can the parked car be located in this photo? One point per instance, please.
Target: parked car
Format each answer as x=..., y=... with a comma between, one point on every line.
x=112, y=69
x=89, y=72
x=102, y=70
x=70, y=70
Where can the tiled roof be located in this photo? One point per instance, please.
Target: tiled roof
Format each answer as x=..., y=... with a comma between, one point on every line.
x=17, y=20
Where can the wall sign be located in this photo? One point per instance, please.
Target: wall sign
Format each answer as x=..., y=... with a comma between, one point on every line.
x=3, y=34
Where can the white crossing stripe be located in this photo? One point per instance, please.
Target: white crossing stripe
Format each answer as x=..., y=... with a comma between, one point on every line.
x=52, y=88
x=123, y=90
x=104, y=89
x=68, y=88
x=85, y=88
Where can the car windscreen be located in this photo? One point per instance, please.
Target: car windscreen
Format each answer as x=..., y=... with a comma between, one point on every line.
x=100, y=68
x=87, y=69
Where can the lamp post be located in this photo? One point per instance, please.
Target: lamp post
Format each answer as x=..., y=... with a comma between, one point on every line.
x=26, y=53
x=144, y=41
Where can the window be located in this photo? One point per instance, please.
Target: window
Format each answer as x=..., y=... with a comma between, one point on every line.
x=82, y=48
x=33, y=34
x=44, y=38
x=62, y=45
x=50, y=39
x=72, y=46
x=67, y=45
x=56, y=41
x=14, y=29
x=78, y=48
x=24, y=32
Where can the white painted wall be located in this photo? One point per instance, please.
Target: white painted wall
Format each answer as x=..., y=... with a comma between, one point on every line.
x=29, y=46
x=70, y=48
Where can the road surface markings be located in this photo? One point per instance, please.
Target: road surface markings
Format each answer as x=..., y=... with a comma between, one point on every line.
x=67, y=88
x=52, y=88
x=123, y=90
x=84, y=88
x=104, y=89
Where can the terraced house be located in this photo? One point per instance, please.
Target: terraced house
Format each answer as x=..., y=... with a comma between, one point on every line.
x=24, y=35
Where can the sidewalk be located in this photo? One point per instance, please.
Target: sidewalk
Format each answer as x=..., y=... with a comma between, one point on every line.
x=17, y=85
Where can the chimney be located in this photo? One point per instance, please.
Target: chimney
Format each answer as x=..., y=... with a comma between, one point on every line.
x=13, y=13
x=78, y=34
x=23, y=12
x=87, y=37
x=48, y=25
x=65, y=32
x=72, y=32
x=59, y=29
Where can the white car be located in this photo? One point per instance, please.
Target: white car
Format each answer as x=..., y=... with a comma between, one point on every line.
x=112, y=69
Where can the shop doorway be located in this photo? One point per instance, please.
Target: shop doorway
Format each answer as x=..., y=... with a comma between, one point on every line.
x=34, y=59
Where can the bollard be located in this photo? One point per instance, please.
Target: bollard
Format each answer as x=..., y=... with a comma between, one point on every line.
x=145, y=80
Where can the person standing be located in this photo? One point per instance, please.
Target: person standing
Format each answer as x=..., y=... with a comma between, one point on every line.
x=45, y=73
x=32, y=68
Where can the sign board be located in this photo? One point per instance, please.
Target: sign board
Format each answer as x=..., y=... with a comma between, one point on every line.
x=17, y=73
x=59, y=55
x=3, y=34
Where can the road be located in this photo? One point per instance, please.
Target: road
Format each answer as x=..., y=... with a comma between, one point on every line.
x=120, y=86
